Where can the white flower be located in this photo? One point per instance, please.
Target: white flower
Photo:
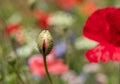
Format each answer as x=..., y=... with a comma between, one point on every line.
x=61, y=19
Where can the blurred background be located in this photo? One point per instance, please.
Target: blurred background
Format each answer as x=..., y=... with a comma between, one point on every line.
x=21, y=21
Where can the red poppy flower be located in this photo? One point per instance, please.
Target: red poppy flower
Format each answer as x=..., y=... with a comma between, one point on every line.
x=103, y=26
x=15, y=30
x=55, y=66
x=12, y=28
x=42, y=19
x=67, y=4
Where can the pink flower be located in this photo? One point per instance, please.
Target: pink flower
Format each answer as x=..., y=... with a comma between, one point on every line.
x=55, y=66
x=103, y=26
x=42, y=19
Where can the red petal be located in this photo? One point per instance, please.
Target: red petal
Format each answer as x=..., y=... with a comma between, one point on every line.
x=44, y=46
x=114, y=21
x=97, y=27
x=99, y=53
x=116, y=54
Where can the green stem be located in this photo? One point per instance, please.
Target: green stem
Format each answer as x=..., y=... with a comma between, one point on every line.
x=18, y=75
x=46, y=70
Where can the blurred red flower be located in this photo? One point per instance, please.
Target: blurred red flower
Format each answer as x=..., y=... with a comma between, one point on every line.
x=103, y=26
x=15, y=30
x=55, y=66
x=12, y=28
x=42, y=18
x=67, y=4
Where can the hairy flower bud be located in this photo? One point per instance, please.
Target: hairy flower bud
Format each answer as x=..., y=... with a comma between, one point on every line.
x=45, y=42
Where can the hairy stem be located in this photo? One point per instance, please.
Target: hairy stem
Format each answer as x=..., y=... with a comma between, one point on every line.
x=46, y=70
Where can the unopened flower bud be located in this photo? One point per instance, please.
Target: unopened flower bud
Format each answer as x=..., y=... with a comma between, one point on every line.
x=11, y=60
x=45, y=42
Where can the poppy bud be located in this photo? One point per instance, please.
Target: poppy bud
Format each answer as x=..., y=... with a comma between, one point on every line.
x=45, y=42
x=11, y=60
